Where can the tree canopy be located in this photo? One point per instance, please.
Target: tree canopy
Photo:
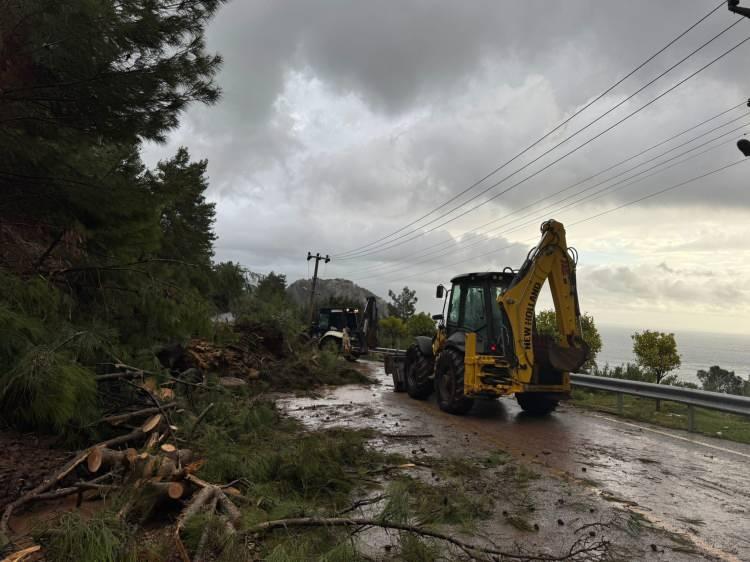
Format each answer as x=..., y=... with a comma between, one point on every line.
x=101, y=257
x=717, y=379
x=404, y=304
x=656, y=353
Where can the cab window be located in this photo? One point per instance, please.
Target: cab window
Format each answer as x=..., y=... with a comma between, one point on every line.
x=455, y=305
x=475, y=318
x=323, y=321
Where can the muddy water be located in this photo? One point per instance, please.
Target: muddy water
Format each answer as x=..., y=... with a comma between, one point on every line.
x=693, y=488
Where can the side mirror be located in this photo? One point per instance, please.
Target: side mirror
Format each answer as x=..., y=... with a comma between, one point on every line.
x=439, y=292
x=437, y=317
x=744, y=146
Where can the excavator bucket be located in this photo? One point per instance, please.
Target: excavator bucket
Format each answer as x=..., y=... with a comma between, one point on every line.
x=568, y=359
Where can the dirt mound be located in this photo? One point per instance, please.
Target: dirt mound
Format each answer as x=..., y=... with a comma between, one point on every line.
x=25, y=461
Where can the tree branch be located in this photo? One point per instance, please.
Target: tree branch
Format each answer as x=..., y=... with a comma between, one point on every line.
x=580, y=548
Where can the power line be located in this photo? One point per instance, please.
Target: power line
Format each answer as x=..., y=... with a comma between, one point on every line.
x=549, y=165
x=597, y=215
x=627, y=182
x=545, y=136
x=611, y=167
x=417, y=234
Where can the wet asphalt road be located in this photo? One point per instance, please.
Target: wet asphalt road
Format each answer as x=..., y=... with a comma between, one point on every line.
x=681, y=482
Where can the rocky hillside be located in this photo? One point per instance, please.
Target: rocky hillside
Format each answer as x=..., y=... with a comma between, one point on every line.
x=328, y=290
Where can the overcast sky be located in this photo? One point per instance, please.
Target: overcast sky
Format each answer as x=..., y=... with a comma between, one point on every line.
x=341, y=122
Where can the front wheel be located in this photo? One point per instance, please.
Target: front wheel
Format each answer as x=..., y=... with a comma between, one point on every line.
x=449, y=383
x=418, y=374
x=331, y=345
x=536, y=404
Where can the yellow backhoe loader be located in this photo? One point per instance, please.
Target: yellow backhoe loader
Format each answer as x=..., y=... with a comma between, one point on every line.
x=487, y=346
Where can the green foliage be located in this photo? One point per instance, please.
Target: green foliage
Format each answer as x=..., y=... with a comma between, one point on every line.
x=420, y=324
x=186, y=218
x=258, y=444
x=546, y=324
x=268, y=303
x=392, y=331
x=411, y=499
x=629, y=371
x=671, y=414
x=404, y=304
x=656, y=353
x=101, y=538
x=717, y=379
x=96, y=243
x=47, y=390
x=228, y=284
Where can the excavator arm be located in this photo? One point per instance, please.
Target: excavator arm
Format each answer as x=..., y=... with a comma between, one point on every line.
x=551, y=261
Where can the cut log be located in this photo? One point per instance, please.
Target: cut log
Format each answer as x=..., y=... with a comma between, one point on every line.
x=171, y=490
x=56, y=477
x=166, y=468
x=153, y=439
x=20, y=555
x=203, y=496
x=228, y=507
x=166, y=393
x=168, y=448
x=151, y=423
x=180, y=456
x=102, y=457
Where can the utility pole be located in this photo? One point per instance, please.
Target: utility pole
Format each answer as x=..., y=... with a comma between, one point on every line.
x=317, y=258
x=734, y=6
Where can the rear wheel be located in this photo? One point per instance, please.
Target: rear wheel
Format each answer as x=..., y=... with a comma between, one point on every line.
x=449, y=383
x=418, y=374
x=536, y=404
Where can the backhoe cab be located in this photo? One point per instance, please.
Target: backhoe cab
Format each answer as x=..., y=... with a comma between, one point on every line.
x=487, y=346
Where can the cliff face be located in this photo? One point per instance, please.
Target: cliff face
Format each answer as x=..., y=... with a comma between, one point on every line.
x=327, y=289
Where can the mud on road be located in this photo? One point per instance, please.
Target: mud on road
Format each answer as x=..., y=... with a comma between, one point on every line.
x=657, y=494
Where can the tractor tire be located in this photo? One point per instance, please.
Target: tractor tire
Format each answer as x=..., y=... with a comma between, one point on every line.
x=449, y=383
x=398, y=385
x=331, y=345
x=535, y=404
x=418, y=374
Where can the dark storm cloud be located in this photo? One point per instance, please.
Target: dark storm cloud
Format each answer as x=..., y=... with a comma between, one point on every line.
x=342, y=121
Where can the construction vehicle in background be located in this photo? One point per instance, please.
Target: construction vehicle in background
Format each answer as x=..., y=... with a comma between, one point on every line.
x=488, y=347
x=345, y=330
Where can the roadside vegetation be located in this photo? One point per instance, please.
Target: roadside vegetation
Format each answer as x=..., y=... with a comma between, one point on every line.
x=671, y=414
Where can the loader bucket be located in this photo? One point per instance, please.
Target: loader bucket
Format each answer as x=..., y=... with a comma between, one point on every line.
x=568, y=358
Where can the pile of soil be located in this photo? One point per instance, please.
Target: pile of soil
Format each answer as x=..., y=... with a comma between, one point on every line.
x=25, y=462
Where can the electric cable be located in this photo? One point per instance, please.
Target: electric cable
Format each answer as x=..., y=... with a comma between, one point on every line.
x=418, y=234
x=594, y=196
x=660, y=192
x=474, y=234
x=546, y=135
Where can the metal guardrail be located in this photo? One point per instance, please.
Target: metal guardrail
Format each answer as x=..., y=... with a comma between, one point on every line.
x=692, y=397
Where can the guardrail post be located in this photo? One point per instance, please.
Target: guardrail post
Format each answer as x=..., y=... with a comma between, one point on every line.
x=691, y=418
x=620, y=407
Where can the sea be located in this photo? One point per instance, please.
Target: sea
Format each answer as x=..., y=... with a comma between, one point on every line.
x=697, y=350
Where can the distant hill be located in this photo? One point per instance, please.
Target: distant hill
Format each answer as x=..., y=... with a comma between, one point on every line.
x=330, y=289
